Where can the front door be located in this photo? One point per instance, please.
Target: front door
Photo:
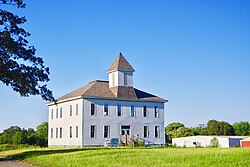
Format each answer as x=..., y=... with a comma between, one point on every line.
x=125, y=130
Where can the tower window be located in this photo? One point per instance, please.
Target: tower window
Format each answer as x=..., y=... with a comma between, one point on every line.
x=125, y=79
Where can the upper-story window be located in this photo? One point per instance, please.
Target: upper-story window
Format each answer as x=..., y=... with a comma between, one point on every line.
x=61, y=112
x=106, y=131
x=145, y=131
x=56, y=112
x=51, y=113
x=76, y=109
x=157, y=131
x=119, y=110
x=132, y=110
x=70, y=110
x=156, y=112
x=92, y=109
x=106, y=110
x=113, y=79
x=145, y=111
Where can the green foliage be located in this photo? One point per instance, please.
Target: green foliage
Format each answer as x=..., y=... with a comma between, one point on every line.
x=19, y=67
x=242, y=128
x=214, y=142
x=42, y=134
x=15, y=136
x=219, y=128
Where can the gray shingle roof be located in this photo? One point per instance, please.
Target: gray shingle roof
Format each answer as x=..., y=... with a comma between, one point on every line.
x=100, y=89
x=121, y=63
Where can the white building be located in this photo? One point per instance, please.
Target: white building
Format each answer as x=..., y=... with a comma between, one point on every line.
x=104, y=110
x=205, y=141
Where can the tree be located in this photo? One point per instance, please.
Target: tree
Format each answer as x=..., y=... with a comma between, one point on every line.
x=19, y=67
x=172, y=131
x=31, y=137
x=219, y=128
x=42, y=134
x=242, y=128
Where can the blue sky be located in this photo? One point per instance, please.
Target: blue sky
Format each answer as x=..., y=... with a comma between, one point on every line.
x=195, y=53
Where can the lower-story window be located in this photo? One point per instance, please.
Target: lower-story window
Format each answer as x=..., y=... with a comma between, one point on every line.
x=106, y=130
x=60, y=132
x=70, y=132
x=56, y=132
x=145, y=131
x=76, y=131
x=93, y=131
x=51, y=133
x=157, y=131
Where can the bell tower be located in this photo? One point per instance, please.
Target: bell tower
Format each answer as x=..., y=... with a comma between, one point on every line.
x=120, y=73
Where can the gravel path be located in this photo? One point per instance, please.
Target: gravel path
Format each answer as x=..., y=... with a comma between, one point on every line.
x=5, y=162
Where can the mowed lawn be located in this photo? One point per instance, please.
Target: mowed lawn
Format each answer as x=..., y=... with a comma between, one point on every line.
x=133, y=157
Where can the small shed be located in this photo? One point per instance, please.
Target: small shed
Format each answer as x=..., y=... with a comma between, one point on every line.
x=244, y=143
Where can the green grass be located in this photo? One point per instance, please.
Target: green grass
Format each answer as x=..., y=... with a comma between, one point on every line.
x=143, y=157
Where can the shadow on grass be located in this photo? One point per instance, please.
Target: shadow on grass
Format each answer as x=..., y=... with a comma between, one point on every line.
x=34, y=153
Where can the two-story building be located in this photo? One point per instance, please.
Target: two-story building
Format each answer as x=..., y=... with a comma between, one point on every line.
x=107, y=109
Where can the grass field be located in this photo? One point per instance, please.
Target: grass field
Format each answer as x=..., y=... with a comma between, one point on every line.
x=132, y=157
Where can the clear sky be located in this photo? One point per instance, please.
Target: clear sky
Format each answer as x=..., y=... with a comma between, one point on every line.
x=194, y=53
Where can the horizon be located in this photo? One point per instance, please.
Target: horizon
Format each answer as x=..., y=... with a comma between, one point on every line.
x=194, y=54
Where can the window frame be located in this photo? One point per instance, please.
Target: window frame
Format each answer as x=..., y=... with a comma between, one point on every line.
x=51, y=116
x=56, y=133
x=70, y=110
x=51, y=133
x=94, y=131
x=132, y=110
x=70, y=132
x=76, y=109
x=119, y=107
x=77, y=132
x=145, y=111
x=60, y=112
x=60, y=132
x=56, y=113
x=146, y=132
x=156, y=112
x=157, y=132
x=106, y=110
x=106, y=132
x=92, y=106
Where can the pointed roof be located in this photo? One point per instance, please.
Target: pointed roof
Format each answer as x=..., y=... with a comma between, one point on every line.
x=121, y=63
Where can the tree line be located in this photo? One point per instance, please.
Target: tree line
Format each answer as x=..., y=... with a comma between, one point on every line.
x=15, y=135
x=213, y=127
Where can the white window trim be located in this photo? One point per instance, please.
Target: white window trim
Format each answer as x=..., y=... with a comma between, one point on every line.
x=147, y=131
x=159, y=134
x=95, y=135
x=157, y=111
x=95, y=109
x=117, y=110
x=131, y=111
x=104, y=110
x=108, y=131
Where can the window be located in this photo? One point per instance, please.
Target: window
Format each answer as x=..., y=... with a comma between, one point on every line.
x=156, y=111
x=60, y=132
x=56, y=132
x=106, y=131
x=157, y=131
x=52, y=114
x=70, y=110
x=113, y=79
x=56, y=112
x=92, y=111
x=145, y=111
x=145, y=131
x=61, y=112
x=70, y=131
x=93, y=131
x=119, y=110
x=125, y=79
x=106, y=110
x=51, y=133
x=132, y=114
x=76, y=131
x=76, y=109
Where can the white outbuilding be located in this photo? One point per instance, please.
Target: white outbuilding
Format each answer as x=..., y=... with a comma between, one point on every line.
x=205, y=141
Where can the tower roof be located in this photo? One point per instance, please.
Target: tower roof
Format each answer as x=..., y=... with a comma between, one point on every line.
x=121, y=63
